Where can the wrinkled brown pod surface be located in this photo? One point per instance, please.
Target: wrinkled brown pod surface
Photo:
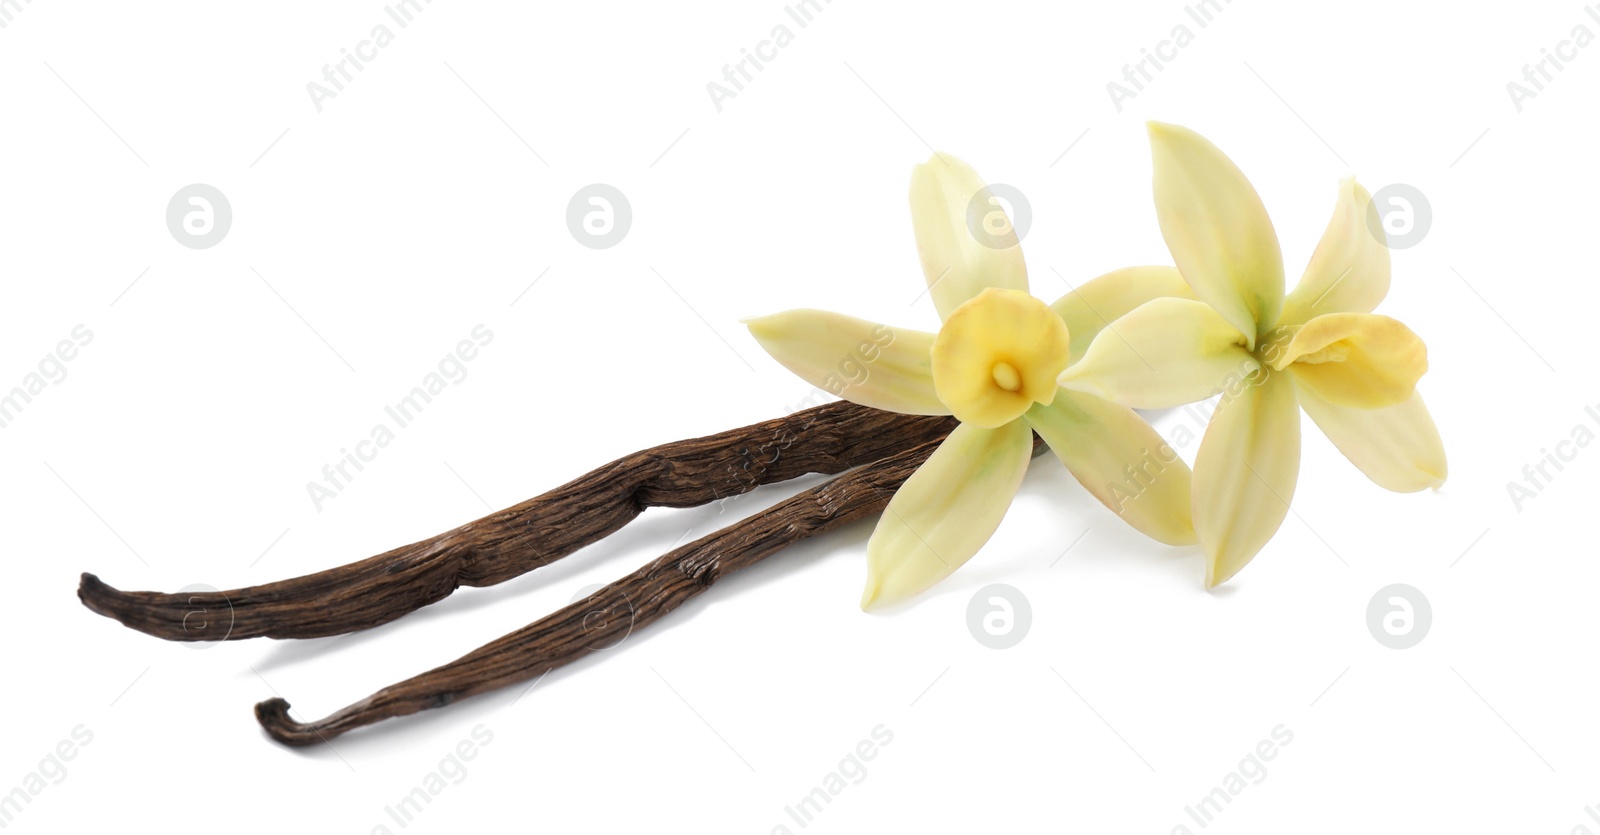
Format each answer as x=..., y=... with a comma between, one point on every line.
x=505, y=544
x=613, y=612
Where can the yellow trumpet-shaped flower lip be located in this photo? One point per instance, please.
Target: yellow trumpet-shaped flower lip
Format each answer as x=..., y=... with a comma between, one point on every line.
x=996, y=355
x=1359, y=360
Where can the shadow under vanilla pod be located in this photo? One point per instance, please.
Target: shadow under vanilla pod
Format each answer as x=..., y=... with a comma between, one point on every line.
x=936, y=431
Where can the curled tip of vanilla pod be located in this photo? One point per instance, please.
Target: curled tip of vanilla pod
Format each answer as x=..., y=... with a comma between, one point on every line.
x=610, y=615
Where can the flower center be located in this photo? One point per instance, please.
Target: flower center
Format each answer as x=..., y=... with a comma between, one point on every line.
x=1006, y=376
x=1272, y=348
x=998, y=354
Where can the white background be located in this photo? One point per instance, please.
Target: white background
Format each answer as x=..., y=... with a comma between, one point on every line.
x=428, y=196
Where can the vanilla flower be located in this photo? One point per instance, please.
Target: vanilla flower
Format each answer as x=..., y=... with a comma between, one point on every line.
x=993, y=365
x=1320, y=348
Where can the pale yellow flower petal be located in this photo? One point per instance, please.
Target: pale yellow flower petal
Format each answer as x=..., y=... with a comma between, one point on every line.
x=1398, y=447
x=863, y=362
x=1217, y=230
x=998, y=354
x=1354, y=359
x=945, y=192
x=1120, y=459
x=1349, y=271
x=1245, y=473
x=946, y=511
x=1167, y=352
x=1104, y=299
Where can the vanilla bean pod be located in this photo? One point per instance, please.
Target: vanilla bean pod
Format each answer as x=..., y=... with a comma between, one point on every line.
x=510, y=542
x=614, y=611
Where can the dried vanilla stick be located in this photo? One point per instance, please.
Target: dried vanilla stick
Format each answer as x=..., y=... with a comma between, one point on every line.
x=511, y=542
x=628, y=604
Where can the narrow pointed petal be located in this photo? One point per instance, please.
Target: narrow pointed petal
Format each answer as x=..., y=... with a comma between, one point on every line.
x=1398, y=447
x=1165, y=353
x=1217, y=229
x=863, y=362
x=1104, y=299
x=1349, y=271
x=1355, y=359
x=946, y=511
x=1120, y=459
x=1245, y=473
x=949, y=200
